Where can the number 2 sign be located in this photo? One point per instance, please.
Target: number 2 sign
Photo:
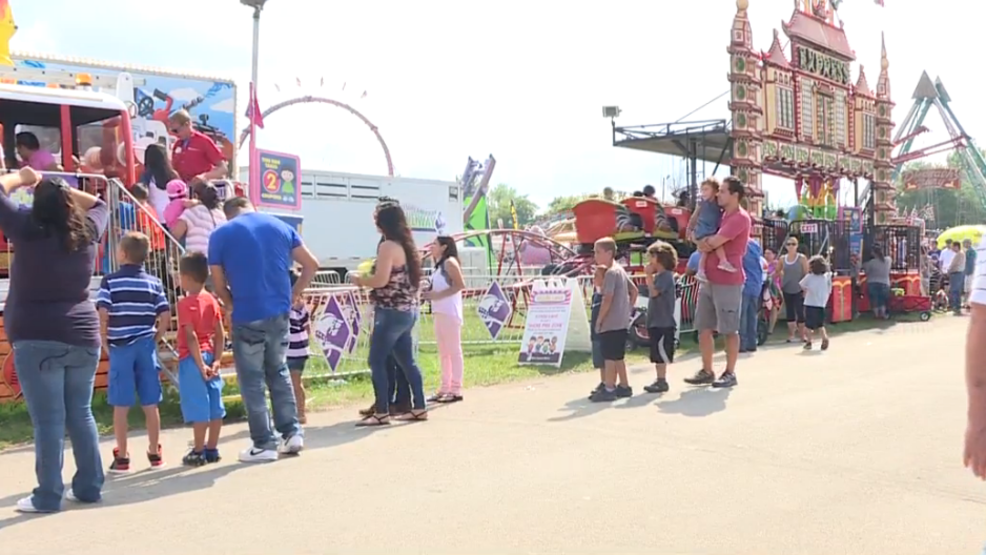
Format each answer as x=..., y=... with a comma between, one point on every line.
x=279, y=175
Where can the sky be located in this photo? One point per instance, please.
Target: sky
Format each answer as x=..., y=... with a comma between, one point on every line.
x=524, y=81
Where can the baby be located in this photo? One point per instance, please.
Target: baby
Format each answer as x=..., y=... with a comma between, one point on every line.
x=705, y=223
x=178, y=193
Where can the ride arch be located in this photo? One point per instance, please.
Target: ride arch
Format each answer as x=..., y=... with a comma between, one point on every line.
x=323, y=100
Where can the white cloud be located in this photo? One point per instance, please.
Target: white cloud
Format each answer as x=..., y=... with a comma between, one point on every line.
x=227, y=106
x=184, y=95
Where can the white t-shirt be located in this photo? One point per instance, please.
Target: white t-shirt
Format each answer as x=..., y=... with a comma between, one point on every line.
x=158, y=198
x=451, y=305
x=201, y=222
x=945, y=259
x=817, y=289
x=978, y=292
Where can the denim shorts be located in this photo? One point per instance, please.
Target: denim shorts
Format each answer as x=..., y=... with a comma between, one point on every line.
x=134, y=374
x=297, y=364
x=201, y=400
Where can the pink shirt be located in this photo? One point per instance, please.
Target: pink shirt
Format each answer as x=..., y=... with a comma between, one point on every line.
x=173, y=211
x=735, y=228
x=41, y=160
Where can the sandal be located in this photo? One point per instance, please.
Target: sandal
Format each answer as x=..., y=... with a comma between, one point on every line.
x=414, y=416
x=374, y=420
x=437, y=398
x=368, y=411
x=397, y=410
x=447, y=398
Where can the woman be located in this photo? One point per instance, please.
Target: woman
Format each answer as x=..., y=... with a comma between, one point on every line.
x=793, y=267
x=157, y=173
x=773, y=287
x=877, y=270
x=394, y=286
x=924, y=267
x=446, y=304
x=53, y=329
x=198, y=221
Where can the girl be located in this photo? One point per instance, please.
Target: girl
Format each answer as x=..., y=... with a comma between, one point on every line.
x=158, y=172
x=817, y=285
x=446, y=304
x=793, y=267
x=297, y=354
x=773, y=287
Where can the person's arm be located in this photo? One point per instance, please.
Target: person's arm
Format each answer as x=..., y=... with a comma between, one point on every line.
x=804, y=282
x=163, y=310
x=11, y=216
x=632, y=292
x=216, y=245
x=219, y=168
x=103, y=304
x=180, y=228
x=309, y=265
x=457, y=283
x=218, y=345
x=651, y=277
x=187, y=315
x=804, y=264
x=386, y=253
x=730, y=229
x=975, y=376
x=609, y=287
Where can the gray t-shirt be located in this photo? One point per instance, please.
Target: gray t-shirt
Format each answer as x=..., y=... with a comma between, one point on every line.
x=877, y=270
x=817, y=289
x=616, y=285
x=660, y=307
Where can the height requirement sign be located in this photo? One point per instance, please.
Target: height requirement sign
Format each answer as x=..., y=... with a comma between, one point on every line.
x=279, y=175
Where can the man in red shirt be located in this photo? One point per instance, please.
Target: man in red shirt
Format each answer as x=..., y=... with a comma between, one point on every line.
x=720, y=298
x=195, y=156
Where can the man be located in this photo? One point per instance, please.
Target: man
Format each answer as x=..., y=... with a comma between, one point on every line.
x=752, y=293
x=720, y=298
x=975, y=376
x=970, y=270
x=956, y=278
x=945, y=258
x=194, y=156
x=249, y=258
x=619, y=297
x=29, y=149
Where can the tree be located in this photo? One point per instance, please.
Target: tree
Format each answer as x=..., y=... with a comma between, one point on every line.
x=952, y=206
x=499, y=198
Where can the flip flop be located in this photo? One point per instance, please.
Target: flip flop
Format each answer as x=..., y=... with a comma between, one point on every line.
x=374, y=420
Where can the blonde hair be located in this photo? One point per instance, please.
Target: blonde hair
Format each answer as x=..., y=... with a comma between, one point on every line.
x=181, y=117
x=607, y=244
x=711, y=182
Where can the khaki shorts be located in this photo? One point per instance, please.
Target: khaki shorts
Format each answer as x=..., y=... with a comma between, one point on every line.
x=718, y=308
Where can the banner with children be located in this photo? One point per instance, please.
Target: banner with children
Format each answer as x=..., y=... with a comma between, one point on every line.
x=333, y=332
x=556, y=320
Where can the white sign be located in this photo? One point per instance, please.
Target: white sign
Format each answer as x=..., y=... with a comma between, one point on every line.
x=556, y=322
x=809, y=228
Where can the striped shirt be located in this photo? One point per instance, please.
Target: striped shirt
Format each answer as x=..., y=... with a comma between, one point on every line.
x=200, y=221
x=133, y=300
x=298, y=332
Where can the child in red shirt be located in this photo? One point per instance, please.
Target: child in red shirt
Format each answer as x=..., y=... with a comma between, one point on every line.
x=200, y=342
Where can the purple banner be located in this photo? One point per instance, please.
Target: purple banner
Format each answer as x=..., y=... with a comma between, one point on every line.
x=332, y=332
x=354, y=318
x=494, y=310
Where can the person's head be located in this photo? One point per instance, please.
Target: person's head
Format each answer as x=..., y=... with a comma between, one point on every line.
x=966, y=243
x=649, y=191
x=139, y=193
x=133, y=248
x=207, y=194
x=177, y=189
x=609, y=193
x=392, y=224
x=157, y=163
x=877, y=252
x=791, y=245
x=637, y=194
x=664, y=255
x=948, y=243
x=26, y=144
x=731, y=193
x=709, y=189
x=193, y=271
x=956, y=246
x=443, y=248
x=180, y=123
x=55, y=211
x=818, y=265
x=605, y=251
x=236, y=206
x=769, y=254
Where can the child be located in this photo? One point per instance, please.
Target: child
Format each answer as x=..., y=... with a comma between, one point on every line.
x=178, y=193
x=705, y=223
x=619, y=296
x=300, y=329
x=200, y=342
x=133, y=316
x=597, y=350
x=817, y=286
x=661, y=325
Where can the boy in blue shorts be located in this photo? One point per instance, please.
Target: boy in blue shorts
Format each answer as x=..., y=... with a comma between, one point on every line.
x=200, y=341
x=133, y=316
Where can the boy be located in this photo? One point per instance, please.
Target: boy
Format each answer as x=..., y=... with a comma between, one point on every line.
x=299, y=331
x=597, y=349
x=661, y=325
x=133, y=316
x=619, y=296
x=201, y=339
x=705, y=223
x=817, y=286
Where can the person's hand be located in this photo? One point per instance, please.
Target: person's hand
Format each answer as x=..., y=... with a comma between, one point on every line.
x=974, y=457
x=191, y=202
x=206, y=371
x=197, y=179
x=215, y=368
x=427, y=295
x=29, y=176
x=360, y=281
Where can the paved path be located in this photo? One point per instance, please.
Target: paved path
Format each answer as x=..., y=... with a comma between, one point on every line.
x=856, y=451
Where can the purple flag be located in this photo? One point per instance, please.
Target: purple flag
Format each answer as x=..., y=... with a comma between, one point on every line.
x=494, y=310
x=333, y=333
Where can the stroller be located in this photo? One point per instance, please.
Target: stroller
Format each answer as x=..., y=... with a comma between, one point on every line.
x=938, y=290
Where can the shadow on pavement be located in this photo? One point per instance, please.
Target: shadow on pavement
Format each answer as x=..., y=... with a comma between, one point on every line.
x=697, y=402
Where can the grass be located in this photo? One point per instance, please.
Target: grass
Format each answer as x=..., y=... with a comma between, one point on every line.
x=486, y=365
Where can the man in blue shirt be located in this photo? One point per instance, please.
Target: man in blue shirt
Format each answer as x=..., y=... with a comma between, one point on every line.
x=752, y=290
x=249, y=258
x=691, y=268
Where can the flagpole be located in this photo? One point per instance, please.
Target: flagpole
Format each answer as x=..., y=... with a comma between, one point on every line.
x=254, y=166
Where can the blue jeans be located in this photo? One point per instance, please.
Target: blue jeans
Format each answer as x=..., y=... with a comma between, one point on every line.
x=956, y=288
x=392, y=338
x=57, y=381
x=399, y=389
x=749, y=314
x=260, y=355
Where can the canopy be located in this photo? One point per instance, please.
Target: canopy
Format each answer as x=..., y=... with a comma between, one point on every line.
x=960, y=233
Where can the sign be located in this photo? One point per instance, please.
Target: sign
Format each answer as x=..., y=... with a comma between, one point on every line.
x=931, y=178
x=424, y=220
x=556, y=321
x=822, y=65
x=278, y=187
x=333, y=332
x=494, y=310
x=355, y=320
x=809, y=228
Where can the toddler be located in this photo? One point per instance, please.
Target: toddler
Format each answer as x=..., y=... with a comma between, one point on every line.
x=178, y=193
x=661, y=325
x=817, y=285
x=297, y=354
x=705, y=223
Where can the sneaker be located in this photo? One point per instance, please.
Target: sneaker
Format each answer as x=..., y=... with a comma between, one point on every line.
x=624, y=392
x=212, y=456
x=603, y=396
x=255, y=455
x=825, y=344
x=292, y=445
x=156, y=459
x=26, y=505
x=120, y=465
x=726, y=267
x=70, y=496
x=727, y=379
x=807, y=346
x=599, y=388
x=659, y=386
x=193, y=458
x=702, y=377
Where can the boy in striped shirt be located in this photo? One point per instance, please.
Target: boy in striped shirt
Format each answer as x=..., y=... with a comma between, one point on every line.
x=133, y=316
x=298, y=333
